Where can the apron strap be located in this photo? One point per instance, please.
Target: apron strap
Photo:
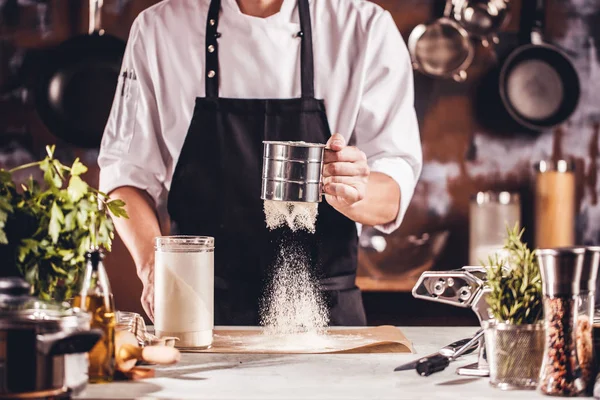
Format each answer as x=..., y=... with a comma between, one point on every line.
x=212, y=50
x=306, y=51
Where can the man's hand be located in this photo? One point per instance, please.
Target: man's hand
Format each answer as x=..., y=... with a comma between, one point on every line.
x=345, y=174
x=147, y=299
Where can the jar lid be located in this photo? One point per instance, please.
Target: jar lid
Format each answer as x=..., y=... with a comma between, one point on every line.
x=184, y=243
x=20, y=310
x=481, y=198
x=561, y=268
x=551, y=165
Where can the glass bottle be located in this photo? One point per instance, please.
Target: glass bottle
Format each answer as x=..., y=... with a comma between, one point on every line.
x=585, y=316
x=96, y=298
x=561, y=273
x=490, y=213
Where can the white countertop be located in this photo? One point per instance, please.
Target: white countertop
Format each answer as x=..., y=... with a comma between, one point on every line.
x=319, y=376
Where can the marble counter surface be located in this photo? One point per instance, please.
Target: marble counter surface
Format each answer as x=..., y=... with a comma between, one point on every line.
x=321, y=376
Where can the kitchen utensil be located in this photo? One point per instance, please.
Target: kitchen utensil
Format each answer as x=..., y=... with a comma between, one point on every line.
x=464, y=287
x=441, y=49
x=184, y=289
x=490, y=213
x=128, y=352
x=438, y=362
x=446, y=351
x=35, y=338
x=292, y=171
x=482, y=18
x=555, y=187
x=76, y=84
x=539, y=85
x=561, y=270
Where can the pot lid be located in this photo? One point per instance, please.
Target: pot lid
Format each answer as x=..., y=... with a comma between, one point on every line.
x=17, y=305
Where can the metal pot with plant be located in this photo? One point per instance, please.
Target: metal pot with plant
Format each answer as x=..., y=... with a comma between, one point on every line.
x=514, y=336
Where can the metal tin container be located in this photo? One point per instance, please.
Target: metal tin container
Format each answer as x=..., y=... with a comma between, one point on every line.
x=40, y=344
x=292, y=171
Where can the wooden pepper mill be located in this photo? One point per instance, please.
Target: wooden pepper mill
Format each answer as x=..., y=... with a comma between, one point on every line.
x=554, y=204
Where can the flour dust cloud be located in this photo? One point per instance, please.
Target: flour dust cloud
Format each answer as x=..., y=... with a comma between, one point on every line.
x=293, y=303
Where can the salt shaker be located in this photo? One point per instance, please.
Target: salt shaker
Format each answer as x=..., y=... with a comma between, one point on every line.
x=585, y=315
x=561, y=274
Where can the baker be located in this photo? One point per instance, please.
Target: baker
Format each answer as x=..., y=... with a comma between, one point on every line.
x=204, y=82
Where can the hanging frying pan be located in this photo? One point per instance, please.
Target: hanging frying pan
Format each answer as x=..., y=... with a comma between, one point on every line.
x=539, y=86
x=441, y=49
x=75, y=89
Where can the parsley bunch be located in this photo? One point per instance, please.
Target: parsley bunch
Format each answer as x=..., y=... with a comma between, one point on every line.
x=46, y=229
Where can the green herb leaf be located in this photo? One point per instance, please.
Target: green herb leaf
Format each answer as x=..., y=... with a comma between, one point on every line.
x=78, y=168
x=116, y=207
x=56, y=219
x=77, y=188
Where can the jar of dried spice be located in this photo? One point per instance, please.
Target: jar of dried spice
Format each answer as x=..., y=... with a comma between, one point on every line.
x=585, y=316
x=561, y=273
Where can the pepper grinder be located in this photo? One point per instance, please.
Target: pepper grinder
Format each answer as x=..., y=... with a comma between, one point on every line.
x=561, y=275
x=585, y=316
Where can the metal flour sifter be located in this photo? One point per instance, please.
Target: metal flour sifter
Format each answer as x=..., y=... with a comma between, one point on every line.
x=292, y=171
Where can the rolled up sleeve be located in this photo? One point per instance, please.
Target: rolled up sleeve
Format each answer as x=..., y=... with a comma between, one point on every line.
x=387, y=129
x=130, y=154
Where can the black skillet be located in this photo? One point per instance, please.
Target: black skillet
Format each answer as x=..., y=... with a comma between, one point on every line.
x=74, y=90
x=538, y=84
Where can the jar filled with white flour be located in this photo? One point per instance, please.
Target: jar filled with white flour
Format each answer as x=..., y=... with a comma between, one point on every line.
x=184, y=289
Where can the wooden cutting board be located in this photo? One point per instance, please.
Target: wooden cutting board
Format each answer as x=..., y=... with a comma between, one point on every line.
x=381, y=339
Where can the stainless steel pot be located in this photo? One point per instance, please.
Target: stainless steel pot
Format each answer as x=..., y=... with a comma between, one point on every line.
x=35, y=339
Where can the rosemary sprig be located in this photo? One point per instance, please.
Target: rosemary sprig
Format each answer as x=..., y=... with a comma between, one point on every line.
x=515, y=282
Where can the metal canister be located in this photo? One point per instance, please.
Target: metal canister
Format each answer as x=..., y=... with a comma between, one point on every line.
x=292, y=171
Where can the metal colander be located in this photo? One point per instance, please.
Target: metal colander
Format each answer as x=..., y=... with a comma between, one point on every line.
x=514, y=354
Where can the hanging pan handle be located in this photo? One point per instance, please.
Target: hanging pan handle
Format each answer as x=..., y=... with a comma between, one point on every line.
x=448, y=8
x=537, y=30
x=95, y=22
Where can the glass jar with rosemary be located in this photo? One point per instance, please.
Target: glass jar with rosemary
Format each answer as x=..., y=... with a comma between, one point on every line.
x=514, y=336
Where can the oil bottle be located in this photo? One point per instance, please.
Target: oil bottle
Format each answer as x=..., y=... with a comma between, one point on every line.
x=96, y=298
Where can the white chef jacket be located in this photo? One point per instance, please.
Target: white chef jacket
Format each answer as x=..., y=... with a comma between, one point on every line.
x=362, y=71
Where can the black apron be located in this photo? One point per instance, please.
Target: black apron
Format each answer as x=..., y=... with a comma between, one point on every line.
x=216, y=186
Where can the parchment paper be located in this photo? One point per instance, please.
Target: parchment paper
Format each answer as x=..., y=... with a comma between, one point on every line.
x=381, y=339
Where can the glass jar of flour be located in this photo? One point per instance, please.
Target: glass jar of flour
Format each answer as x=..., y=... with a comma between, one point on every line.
x=184, y=289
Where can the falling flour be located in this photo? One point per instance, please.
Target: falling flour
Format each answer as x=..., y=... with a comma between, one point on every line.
x=293, y=304
x=296, y=215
